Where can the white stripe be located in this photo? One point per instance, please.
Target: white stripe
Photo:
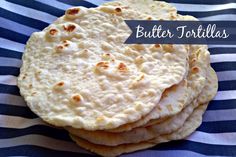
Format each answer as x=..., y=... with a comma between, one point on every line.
x=202, y=8
x=8, y=80
x=219, y=115
x=226, y=75
x=12, y=62
x=16, y=27
x=19, y=122
x=223, y=58
x=11, y=45
x=11, y=100
x=223, y=17
x=55, y=4
x=220, y=46
x=225, y=95
x=97, y=2
x=214, y=138
x=28, y=12
x=42, y=141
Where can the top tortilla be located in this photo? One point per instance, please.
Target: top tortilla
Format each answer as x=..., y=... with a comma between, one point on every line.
x=78, y=72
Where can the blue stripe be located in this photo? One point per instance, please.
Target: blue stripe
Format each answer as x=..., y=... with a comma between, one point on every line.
x=14, y=36
x=227, y=85
x=36, y=151
x=13, y=110
x=222, y=104
x=39, y=6
x=218, y=127
x=4, y=70
x=36, y=129
x=209, y=13
x=9, y=89
x=222, y=50
x=224, y=66
x=22, y=19
x=10, y=53
x=202, y=148
x=78, y=3
x=201, y=1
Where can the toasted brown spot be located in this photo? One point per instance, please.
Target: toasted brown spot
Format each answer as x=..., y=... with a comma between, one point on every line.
x=60, y=47
x=195, y=70
x=122, y=67
x=73, y=11
x=103, y=65
x=69, y=28
x=118, y=10
x=30, y=86
x=66, y=45
x=149, y=18
x=60, y=83
x=113, y=60
x=53, y=31
x=172, y=16
x=76, y=98
x=23, y=77
x=157, y=45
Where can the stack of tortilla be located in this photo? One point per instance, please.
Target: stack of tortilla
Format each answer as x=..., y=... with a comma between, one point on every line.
x=112, y=97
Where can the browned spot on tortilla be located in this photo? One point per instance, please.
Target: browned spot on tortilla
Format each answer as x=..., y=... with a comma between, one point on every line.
x=69, y=28
x=30, y=86
x=76, y=98
x=60, y=47
x=53, y=31
x=103, y=65
x=118, y=10
x=122, y=67
x=195, y=70
x=157, y=45
x=73, y=11
x=149, y=18
x=60, y=84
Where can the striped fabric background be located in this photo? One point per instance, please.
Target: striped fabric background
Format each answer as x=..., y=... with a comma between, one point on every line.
x=22, y=133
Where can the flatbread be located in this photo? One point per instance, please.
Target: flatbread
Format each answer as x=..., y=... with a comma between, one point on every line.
x=189, y=126
x=146, y=133
x=77, y=72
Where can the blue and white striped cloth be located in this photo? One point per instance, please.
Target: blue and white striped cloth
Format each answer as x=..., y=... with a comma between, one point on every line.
x=22, y=133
